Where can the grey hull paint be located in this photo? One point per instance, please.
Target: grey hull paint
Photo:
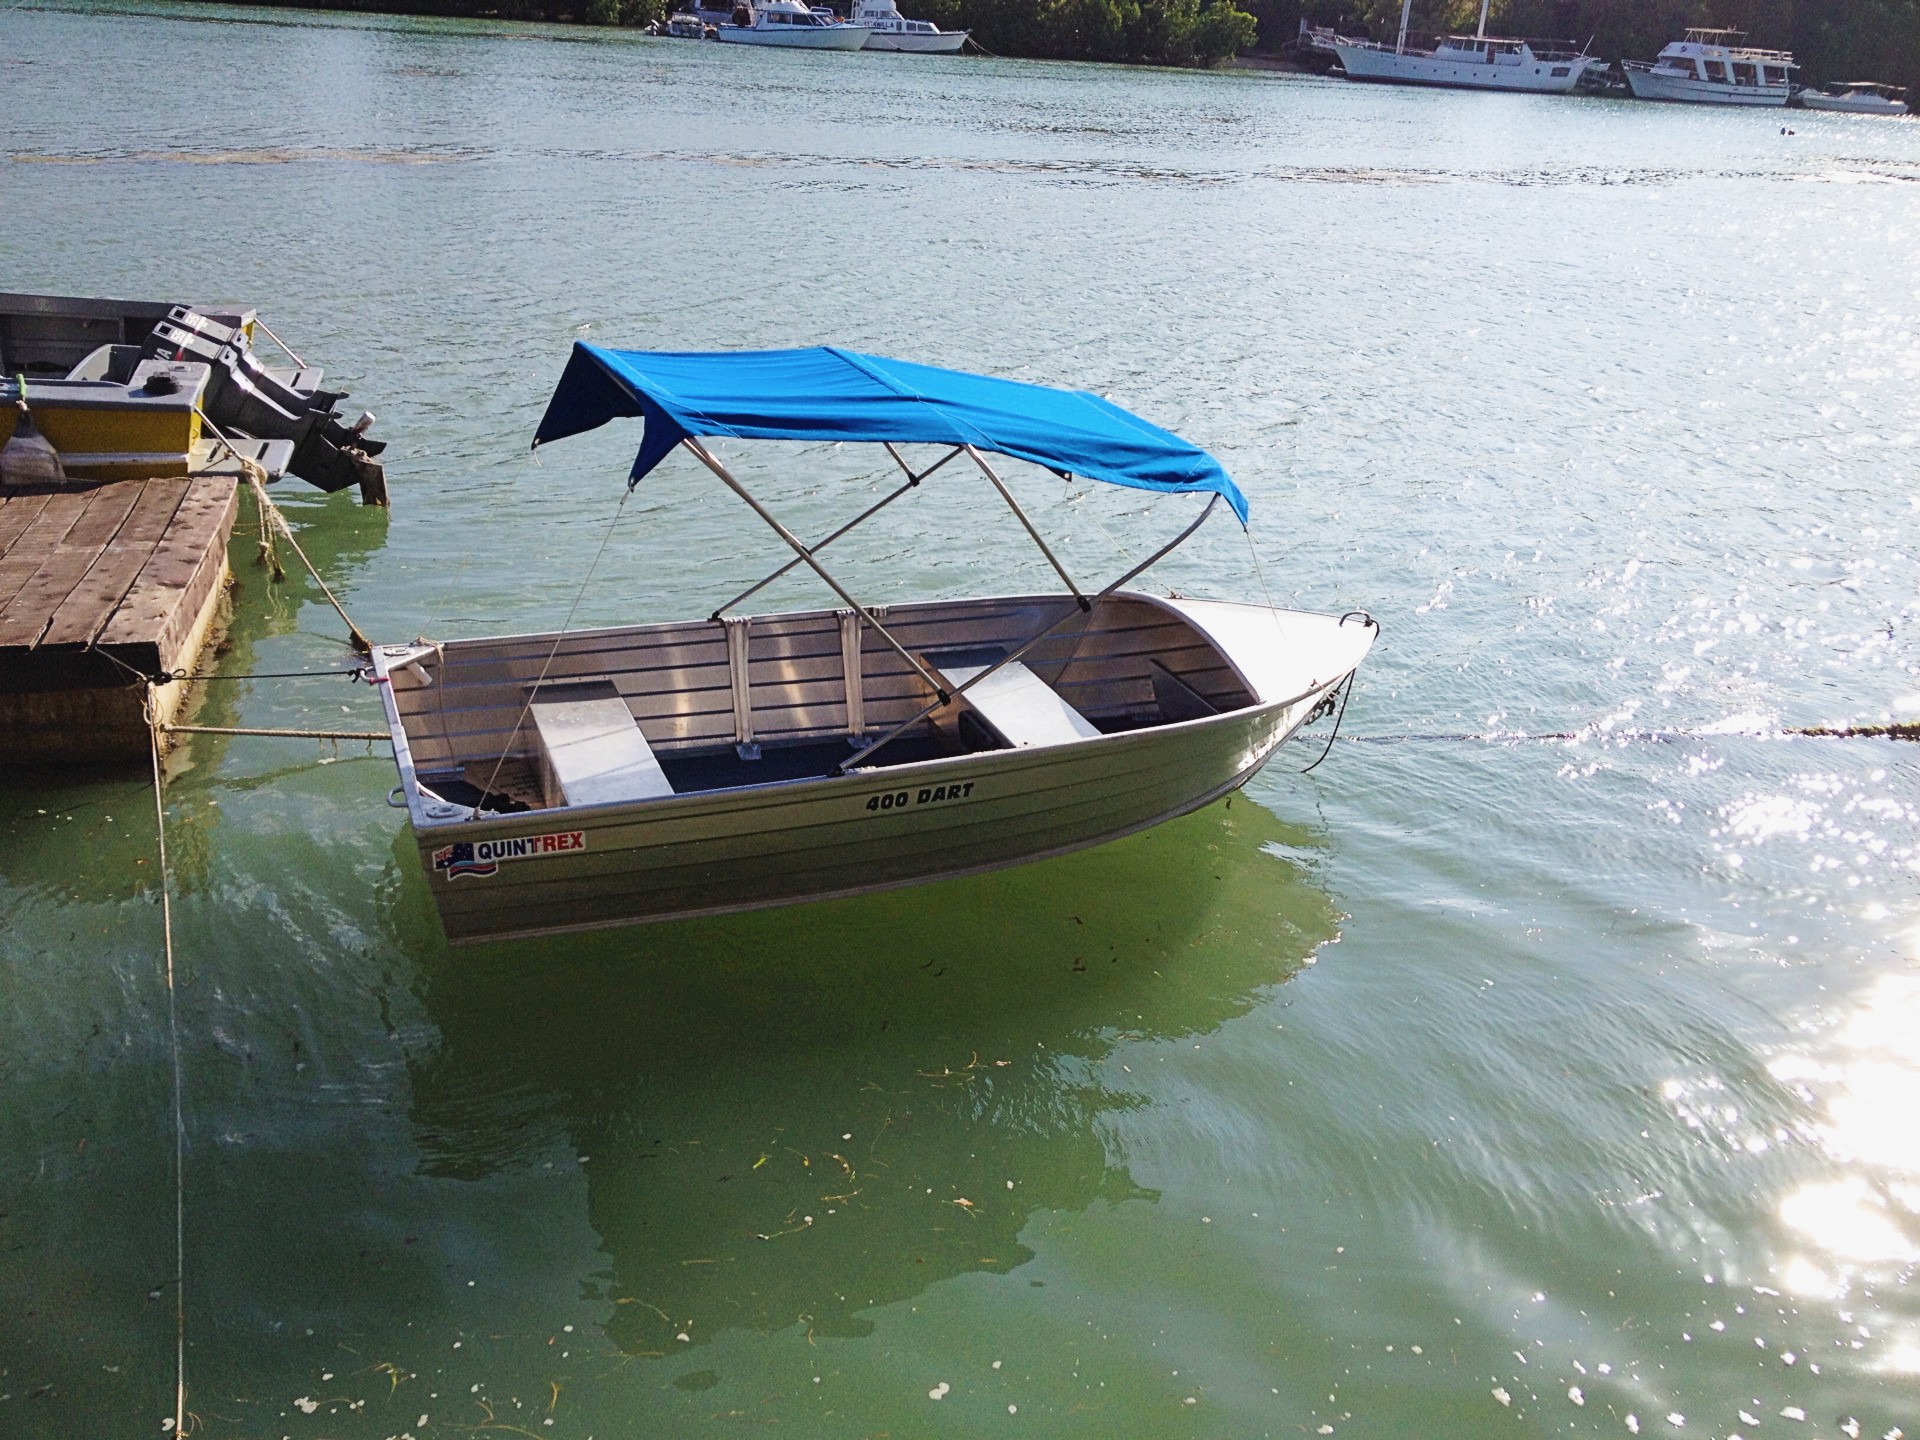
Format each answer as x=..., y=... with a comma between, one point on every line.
x=720, y=851
x=747, y=849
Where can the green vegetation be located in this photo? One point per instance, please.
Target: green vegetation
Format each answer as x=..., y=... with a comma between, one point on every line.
x=1148, y=32
x=1151, y=32
x=1832, y=39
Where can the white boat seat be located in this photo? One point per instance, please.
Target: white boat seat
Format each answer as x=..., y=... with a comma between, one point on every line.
x=1014, y=703
x=591, y=750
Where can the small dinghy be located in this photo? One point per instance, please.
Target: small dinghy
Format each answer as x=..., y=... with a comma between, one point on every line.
x=577, y=780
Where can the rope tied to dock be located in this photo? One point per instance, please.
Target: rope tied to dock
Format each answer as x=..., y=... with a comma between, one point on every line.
x=271, y=520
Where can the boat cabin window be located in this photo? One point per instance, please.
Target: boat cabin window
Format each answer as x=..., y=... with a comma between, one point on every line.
x=1743, y=73
x=1716, y=71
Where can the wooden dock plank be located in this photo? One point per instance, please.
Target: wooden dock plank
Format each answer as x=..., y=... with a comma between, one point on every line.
x=167, y=583
x=24, y=619
x=57, y=565
x=85, y=612
x=17, y=511
x=37, y=541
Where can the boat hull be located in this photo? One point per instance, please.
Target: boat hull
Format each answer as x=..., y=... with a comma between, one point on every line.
x=1853, y=104
x=708, y=852
x=1648, y=84
x=799, y=37
x=948, y=42
x=776, y=845
x=1532, y=77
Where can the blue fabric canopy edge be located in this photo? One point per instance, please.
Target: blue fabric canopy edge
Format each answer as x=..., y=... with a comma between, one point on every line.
x=826, y=393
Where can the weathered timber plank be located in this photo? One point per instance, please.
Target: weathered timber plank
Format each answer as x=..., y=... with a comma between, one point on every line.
x=86, y=611
x=42, y=534
x=162, y=588
x=24, y=618
x=17, y=511
x=202, y=589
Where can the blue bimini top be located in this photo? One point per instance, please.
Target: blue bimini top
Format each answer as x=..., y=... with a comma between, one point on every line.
x=830, y=394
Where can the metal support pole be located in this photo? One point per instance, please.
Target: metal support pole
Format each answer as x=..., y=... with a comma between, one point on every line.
x=1014, y=505
x=1013, y=655
x=860, y=519
x=720, y=471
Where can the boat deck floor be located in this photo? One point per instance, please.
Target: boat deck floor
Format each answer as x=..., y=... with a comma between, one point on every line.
x=513, y=785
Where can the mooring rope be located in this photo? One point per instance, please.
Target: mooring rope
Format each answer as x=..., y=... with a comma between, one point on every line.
x=270, y=515
x=1896, y=731
x=179, y=1422
x=284, y=734
x=533, y=690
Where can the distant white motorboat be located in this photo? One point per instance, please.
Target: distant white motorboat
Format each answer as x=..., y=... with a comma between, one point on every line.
x=1713, y=67
x=889, y=30
x=789, y=24
x=1465, y=62
x=1857, y=97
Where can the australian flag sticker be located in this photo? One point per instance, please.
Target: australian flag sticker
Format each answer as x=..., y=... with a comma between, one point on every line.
x=457, y=860
x=481, y=858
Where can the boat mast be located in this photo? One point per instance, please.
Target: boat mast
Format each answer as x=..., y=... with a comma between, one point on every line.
x=1481, y=33
x=1406, y=9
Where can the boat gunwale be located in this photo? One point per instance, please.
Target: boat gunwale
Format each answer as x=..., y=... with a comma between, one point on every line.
x=862, y=777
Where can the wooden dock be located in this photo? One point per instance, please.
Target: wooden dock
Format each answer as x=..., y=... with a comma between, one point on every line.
x=102, y=586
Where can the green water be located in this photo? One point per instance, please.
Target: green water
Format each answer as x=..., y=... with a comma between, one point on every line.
x=1455, y=1089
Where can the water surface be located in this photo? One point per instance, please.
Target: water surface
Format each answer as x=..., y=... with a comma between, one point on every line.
x=1455, y=1089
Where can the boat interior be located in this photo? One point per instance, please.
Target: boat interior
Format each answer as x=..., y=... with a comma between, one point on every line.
x=537, y=722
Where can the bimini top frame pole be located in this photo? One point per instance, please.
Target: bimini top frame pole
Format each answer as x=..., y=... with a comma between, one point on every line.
x=707, y=459
x=860, y=519
x=1033, y=534
x=1012, y=655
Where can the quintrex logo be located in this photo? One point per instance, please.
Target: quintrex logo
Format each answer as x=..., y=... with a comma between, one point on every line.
x=484, y=857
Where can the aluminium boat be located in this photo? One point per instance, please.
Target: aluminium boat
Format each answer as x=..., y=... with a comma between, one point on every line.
x=1713, y=67
x=573, y=781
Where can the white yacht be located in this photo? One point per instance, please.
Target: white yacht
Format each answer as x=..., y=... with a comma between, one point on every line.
x=1468, y=62
x=1856, y=97
x=790, y=24
x=1713, y=67
x=889, y=30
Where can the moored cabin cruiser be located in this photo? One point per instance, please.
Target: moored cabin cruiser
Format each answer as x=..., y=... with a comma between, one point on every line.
x=889, y=30
x=790, y=24
x=1856, y=97
x=1713, y=67
x=1467, y=62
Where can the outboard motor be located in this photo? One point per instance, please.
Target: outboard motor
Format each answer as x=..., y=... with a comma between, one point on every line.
x=246, y=397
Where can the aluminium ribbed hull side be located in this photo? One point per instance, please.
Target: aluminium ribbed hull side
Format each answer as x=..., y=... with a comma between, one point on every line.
x=743, y=849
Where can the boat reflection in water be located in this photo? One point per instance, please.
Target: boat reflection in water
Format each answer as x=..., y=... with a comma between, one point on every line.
x=791, y=1118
